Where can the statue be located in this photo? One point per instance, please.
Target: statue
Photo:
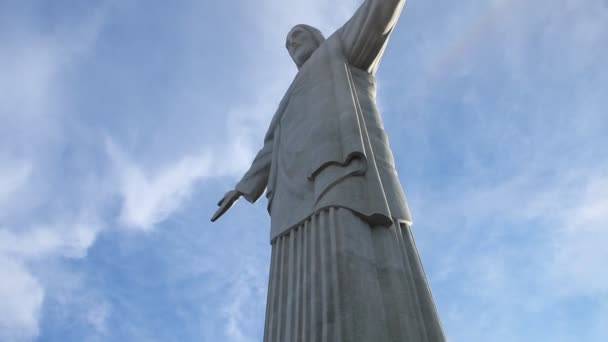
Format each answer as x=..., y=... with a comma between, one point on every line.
x=344, y=265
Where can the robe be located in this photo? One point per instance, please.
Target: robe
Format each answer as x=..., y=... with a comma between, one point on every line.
x=326, y=145
x=344, y=264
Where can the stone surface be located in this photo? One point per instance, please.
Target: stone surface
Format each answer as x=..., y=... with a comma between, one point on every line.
x=325, y=149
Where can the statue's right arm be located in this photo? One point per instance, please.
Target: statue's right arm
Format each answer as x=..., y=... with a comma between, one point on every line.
x=255, y=180
x=253, y=183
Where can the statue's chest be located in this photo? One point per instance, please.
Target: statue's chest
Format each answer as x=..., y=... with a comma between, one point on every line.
x=319, y=95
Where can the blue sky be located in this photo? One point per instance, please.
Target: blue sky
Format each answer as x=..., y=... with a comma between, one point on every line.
x=123, y=122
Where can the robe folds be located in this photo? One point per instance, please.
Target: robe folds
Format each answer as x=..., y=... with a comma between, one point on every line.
x=333, y=279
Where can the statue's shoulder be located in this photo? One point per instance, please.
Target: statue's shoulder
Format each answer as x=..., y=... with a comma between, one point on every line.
x=329, y=52
x=333, y=42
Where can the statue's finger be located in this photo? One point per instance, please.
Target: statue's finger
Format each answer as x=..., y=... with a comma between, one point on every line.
x=218, y=213
x=214, y=217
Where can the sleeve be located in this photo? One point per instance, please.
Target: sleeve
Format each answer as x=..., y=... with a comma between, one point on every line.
x=365, y=35
x=255, y=180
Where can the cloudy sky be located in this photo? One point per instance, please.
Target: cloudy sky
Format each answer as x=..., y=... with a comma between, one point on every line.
x=122, y=123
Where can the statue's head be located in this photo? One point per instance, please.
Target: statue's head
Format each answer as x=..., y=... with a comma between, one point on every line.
x=302, y=40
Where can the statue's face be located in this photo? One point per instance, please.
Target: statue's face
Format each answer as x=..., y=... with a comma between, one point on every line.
x=301, y=44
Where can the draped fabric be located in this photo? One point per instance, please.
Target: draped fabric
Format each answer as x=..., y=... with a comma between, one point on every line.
x=333, y=278
x=344, y=265
x=326, y=144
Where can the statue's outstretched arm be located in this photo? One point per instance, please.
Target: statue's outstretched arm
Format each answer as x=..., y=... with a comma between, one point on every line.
x=365, y=35
x=253, y=183
x=255, y=180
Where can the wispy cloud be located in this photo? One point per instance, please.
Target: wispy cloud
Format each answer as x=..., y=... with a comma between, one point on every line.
x=149, y=199
x=248, y=283
x=519, y=249
x=31, y=110
x=22, y=296
x=578, y=262
x=149, y=196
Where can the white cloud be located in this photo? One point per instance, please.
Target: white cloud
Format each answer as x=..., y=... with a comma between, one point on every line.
x=570, y=212
x=21, y=293
x=248, y=283
x=150, y=196
x=32, y=113
x=522, y=247
x=21, y=296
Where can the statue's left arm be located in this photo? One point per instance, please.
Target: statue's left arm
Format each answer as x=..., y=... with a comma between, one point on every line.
x=365, y=35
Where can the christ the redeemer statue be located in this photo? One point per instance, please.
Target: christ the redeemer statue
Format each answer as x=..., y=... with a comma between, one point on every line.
x=344, y=264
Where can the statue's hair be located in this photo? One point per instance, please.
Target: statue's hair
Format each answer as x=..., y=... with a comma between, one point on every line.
x=317, y=35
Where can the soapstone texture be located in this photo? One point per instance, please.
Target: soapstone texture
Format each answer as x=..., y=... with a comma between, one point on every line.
x=344, y=264
x=336, y=278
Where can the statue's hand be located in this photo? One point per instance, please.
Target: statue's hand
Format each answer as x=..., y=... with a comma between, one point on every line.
x=225, y=203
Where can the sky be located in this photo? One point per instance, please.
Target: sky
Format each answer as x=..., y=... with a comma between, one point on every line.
x=122, y=123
